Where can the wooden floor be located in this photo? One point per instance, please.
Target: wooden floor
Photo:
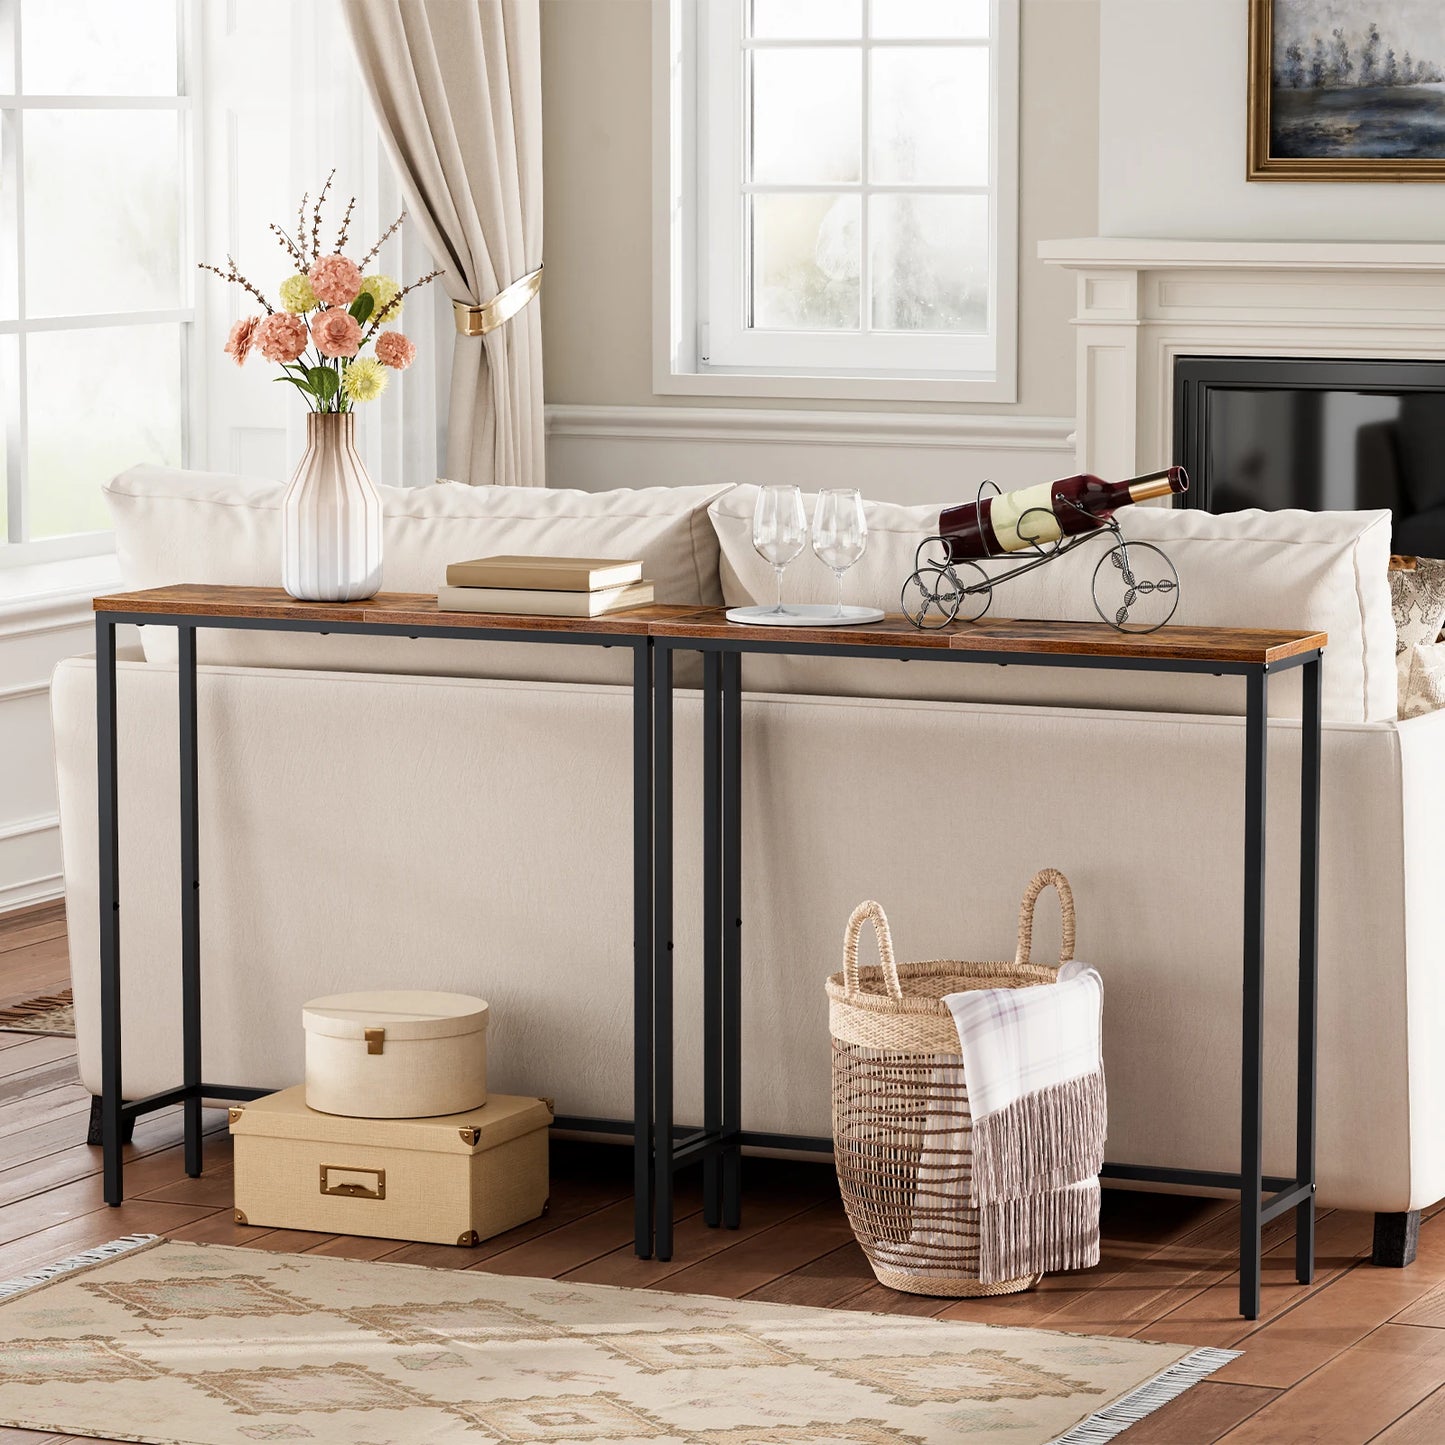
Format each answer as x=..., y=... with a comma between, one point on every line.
x=1358, y=1356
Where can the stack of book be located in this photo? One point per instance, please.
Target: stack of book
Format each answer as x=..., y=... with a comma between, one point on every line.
x=544, y=586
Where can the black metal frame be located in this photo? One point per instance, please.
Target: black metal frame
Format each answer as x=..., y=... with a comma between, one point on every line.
x=116, y=1114
x=719, y=1143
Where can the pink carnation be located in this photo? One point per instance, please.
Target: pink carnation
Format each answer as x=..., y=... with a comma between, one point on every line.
x=395, y=350
x=238, y=344
x=335, y=280
x=336, y=333
x=281, y=337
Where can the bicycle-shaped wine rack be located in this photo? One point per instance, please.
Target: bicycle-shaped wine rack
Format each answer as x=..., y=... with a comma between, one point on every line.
x=942, y=589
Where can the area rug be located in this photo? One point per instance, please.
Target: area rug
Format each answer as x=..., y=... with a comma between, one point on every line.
x=52, y=1014
x=184, y=1344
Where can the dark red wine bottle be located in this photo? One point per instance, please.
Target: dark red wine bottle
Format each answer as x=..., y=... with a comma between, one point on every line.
x=1039, y=515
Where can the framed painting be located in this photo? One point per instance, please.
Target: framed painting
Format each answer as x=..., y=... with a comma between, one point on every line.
x=1346, y=90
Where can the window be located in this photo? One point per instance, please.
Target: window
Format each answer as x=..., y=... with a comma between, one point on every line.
x=841, y=203
x=95, y=265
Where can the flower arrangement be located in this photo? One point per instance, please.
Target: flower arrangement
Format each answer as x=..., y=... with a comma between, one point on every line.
x=331, y=306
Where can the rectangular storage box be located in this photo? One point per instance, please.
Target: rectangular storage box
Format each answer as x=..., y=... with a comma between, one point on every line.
x=454, y=1179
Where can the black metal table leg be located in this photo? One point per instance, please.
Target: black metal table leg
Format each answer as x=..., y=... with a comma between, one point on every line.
x=110, y=1039
x=732, y=910
x=662, y=946
x=712, y=1022
x=642, y=1135
x=1251, y=1126
x=1309, y=920
x=190, y=899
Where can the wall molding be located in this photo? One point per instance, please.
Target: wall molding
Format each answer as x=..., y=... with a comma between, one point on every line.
x=26, y=891
x=28, y=827
x=965, y=431
x=24, y=689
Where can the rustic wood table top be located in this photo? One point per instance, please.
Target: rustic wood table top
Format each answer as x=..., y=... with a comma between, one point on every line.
x=1258, y=646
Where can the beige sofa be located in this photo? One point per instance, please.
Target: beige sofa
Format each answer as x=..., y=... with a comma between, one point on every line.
x=365, y=824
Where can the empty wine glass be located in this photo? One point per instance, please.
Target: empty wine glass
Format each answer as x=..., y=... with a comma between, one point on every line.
x=840, y=533
x=780, y=531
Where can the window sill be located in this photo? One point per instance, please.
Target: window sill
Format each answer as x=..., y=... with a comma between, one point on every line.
x=999, y=391
x=35, y=590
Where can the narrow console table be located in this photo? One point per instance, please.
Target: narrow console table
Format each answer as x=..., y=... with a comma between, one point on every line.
x=1222, y=652
x=191, y=608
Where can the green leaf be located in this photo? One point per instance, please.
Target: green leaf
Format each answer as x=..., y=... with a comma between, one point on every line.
x=323, y=381
x=363, y=306
x=298, y=383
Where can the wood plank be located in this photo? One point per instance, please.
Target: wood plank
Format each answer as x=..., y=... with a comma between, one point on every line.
x=561, y=1251
x=1356, y=1395
x=34, y=1051
x=36, y=968
x=1424, y=1425
x=49, y=910
x=1200, y=1416
x=135, y=1216
x=15, y=936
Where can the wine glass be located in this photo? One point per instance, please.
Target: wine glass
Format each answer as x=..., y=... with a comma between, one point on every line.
x=780, y=531
x=840, y=533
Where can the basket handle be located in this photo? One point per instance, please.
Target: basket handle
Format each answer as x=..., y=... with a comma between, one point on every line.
x=861, y=914
x=1044, y=878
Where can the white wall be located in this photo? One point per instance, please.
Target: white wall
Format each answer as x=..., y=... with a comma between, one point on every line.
x=1173, y=91
x=596, y=302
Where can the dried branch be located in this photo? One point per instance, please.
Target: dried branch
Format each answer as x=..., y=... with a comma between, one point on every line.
x=345, y=226
x=316, y=215
x=234, y=276
x=395, y=303
x=386, y=235
x=291, y=248
x=301, y=227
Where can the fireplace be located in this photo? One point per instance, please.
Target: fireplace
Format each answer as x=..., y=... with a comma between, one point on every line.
x=1316, y=433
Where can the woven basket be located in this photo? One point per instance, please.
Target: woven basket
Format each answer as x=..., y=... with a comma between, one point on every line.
x=901, y=1124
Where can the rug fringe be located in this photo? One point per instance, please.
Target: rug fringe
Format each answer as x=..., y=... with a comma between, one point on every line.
x=1150, y=1396
x=99, y=1255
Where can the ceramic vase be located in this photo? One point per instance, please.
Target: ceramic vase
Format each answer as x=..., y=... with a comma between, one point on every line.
x=331, y=517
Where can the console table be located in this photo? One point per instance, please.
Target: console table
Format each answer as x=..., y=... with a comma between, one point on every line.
x=1256, y=655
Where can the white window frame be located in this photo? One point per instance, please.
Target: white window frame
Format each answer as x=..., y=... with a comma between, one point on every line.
x=697, y=163
x=16, y=326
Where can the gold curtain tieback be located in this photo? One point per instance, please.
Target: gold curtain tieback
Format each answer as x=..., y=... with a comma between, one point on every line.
x=478, y=320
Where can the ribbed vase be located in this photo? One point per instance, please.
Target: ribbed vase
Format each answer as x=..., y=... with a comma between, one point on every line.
x=331, y=517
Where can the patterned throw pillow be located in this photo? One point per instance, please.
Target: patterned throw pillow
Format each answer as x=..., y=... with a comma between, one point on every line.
x=1422, y=679
x=1417, y=591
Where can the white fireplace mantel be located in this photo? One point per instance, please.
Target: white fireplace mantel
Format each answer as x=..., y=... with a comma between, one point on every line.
x=1142, y=303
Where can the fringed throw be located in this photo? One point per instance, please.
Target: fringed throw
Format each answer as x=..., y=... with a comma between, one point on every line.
x=1042, y=1141
x=1039, y=1233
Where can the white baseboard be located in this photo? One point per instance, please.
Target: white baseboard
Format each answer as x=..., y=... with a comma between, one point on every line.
x=23, y=893
x=29, y=862
x=890, y=456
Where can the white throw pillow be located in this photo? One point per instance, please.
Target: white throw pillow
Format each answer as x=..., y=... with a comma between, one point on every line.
x=178, y=526
x=1323, y=571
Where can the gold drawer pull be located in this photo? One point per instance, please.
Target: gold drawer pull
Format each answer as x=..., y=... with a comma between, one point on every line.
x=375, y=1038
x=354, y=1188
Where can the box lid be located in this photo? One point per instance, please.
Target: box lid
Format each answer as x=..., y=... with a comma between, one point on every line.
x=285, y=1116
x=403, y=1013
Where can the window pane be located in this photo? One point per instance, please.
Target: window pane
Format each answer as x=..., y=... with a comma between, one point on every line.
x=98, y=47
x=805, y=262
x=806, y=116
x=806, y=19
x=100, y=401
x=929, y=261
x=931, y=19
x=929, y=121
x=102, y=211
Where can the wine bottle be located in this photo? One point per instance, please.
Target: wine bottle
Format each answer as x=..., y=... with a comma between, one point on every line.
x=1044, y=513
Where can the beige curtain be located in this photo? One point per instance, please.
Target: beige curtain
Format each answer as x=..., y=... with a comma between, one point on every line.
x=457, y=87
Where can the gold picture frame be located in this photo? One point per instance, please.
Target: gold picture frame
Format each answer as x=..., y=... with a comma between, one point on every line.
x=1263, y=165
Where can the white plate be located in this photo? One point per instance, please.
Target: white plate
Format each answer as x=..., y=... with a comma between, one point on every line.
x=805, y=614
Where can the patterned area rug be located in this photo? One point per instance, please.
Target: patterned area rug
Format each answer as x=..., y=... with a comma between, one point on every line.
x=186, y=1344
x=52, y=1014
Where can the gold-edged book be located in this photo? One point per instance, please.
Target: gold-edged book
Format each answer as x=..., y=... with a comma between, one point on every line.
x=545, y=574
x=534, y=602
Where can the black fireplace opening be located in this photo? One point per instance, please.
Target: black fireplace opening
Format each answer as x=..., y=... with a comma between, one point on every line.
x=1325, y=435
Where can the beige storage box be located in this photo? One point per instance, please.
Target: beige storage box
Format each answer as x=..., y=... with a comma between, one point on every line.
x=396, y=1055
x=452, y=1180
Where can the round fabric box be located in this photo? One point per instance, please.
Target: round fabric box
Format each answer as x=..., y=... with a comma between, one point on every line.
x=395, y=1055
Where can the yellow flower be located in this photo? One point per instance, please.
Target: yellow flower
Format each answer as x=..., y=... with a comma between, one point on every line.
x=381, y=289
x=364, y=380
x=297, y=295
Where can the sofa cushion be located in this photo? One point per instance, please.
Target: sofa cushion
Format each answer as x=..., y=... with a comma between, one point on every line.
x=178, y=526
x=1287, y=569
